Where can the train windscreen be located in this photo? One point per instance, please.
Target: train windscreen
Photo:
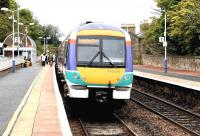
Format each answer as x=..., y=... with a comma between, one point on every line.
x=101, y=51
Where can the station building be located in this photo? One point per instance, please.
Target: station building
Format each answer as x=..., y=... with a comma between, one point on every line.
x=137, y=47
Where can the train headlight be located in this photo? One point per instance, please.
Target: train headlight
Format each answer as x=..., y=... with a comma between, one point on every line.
x=126, y=77
x=75, y=76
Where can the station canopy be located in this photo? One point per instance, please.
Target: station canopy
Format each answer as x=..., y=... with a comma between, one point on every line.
x=22, y=42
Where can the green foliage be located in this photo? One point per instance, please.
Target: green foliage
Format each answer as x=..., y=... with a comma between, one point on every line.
x=167, y=4
x=5, y=23
x=4, y=3
x=5, y=28
x=35, y=31
x=52, y=49
x=183, y=27
x=152, y=31
x=53, y=32
x=39, y=48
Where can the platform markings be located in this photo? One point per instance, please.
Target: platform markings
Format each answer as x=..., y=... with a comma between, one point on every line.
x=20, y=107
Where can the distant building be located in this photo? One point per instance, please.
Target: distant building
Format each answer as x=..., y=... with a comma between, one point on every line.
x=135, y=42
x=130, y=28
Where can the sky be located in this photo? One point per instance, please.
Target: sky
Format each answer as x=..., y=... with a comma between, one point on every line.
x=68, y=14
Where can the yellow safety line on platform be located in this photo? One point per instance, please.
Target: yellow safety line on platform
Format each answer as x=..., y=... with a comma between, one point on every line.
x=20, y=107
x=26, y=119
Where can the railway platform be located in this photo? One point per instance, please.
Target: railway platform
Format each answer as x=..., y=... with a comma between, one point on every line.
x=41, y=111
x=187, y=79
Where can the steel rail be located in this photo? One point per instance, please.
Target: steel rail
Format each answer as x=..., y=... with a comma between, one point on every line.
x=124, y=124
x=172, y=118
x=83, y=127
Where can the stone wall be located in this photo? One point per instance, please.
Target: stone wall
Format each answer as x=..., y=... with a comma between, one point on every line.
x=176, y=62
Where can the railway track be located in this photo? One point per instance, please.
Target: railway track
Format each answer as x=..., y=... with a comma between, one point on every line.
x=75, y=123
x=175, y=114
x=114, y=127
x=96, y=125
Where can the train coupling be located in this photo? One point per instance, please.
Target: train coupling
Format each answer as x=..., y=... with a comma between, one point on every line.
x=101, y=96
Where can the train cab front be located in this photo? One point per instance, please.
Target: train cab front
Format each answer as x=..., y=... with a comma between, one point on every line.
x=101, y=63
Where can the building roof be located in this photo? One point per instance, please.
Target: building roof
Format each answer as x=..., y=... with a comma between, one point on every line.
x=9, y=41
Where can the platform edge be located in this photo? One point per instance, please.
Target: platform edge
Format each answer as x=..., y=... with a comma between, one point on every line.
x=66, y=131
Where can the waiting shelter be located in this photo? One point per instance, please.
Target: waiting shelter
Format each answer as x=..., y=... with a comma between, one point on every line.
x=26, y=48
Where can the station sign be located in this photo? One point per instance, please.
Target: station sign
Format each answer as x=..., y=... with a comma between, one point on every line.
x=162, y=39
x=17, y=39
x=164, y=44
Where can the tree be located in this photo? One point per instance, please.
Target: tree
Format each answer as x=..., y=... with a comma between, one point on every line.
x=53, y=32
x=5, y=23
x=152, y=31
x=183, y=27
x=167, y=4
x=4, y=3
x=26, y=18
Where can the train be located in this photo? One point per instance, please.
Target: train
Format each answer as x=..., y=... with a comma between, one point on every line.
x=95, y=61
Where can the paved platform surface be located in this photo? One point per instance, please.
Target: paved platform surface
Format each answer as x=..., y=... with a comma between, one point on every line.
x=182, y=78
x=188, y=75
x=13, y=88
x=39, y=113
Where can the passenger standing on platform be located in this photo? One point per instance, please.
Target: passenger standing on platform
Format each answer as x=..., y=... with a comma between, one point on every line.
x=50, y=59
x=54, y=58
x=43, y=59
x=46, y=59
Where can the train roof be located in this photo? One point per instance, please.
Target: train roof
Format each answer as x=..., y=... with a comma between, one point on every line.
x=95, y=26
x=99, y=26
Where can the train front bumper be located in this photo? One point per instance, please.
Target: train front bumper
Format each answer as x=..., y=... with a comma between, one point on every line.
x=122, y=93
x=78, y=91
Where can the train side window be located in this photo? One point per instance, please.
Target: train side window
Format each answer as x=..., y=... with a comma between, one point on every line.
x=66, y=51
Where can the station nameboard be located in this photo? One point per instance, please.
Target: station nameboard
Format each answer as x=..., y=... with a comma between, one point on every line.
x=161, y=39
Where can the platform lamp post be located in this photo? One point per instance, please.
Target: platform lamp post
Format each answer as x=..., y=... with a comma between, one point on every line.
x=18, y=23
x=13, y=32
x=13, y=20
x=44, y=43
x=44, y=39
x=47, y=38
x=26, y=30
x=164, y=39
x=165, y=43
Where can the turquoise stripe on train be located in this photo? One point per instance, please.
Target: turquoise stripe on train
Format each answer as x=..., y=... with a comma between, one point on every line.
x=75, y=77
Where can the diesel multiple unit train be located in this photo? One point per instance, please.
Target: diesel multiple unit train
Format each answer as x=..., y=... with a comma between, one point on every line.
x=96, y=62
